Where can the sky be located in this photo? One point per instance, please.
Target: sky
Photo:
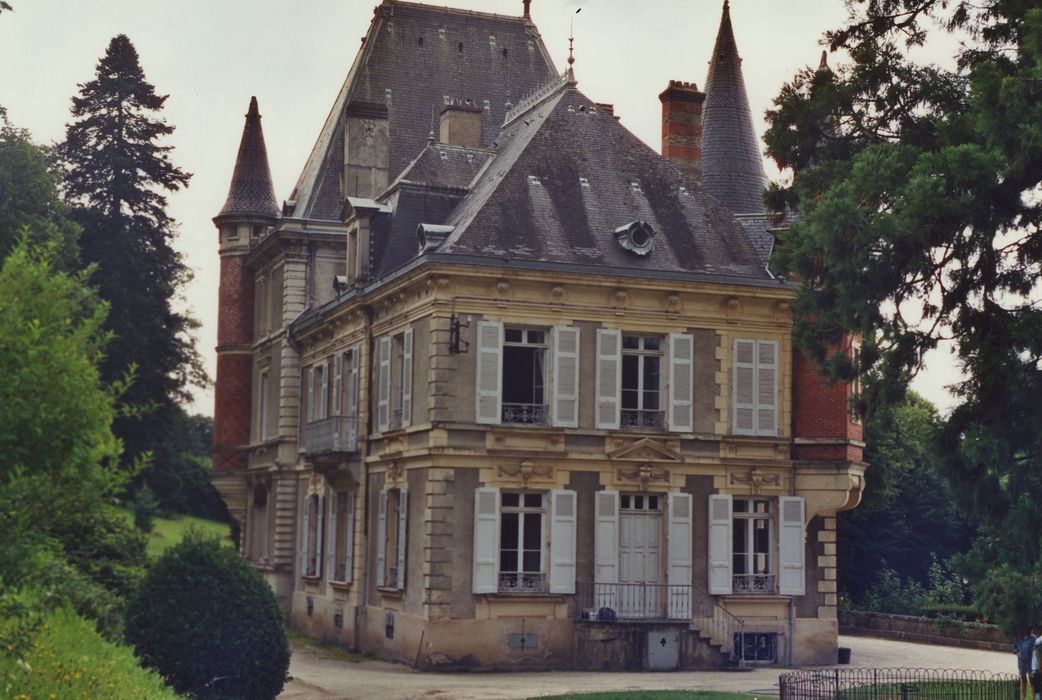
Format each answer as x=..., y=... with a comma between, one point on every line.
x=211, y=56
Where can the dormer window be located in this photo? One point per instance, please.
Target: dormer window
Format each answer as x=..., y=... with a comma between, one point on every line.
x=636, y=237
x=430, y=236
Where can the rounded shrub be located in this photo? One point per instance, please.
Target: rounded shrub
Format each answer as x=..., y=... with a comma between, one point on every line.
x=209, y=624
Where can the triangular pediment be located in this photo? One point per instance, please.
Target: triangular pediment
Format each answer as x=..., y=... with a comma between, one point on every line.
x=645, y=450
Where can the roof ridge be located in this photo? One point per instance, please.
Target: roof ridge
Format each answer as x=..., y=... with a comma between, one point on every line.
x=536, y=97
x=456, y=10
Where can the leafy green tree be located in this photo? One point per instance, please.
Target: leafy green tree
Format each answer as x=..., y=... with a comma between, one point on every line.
x=908, y=517
x=29, y=202
x=116, y=175
x=919, y=222
x=208, y=622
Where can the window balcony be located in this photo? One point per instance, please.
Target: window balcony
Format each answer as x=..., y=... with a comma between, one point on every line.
x=752, y=584
x=522, y=583
x=331, y=435
x=642, y=419
x=525, y=413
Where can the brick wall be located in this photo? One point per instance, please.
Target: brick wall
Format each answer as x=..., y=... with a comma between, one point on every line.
x=822, y=416
x=682, y=126
x=234, y=382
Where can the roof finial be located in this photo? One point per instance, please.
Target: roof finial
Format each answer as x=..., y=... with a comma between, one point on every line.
x=570, y=74
x=823, y=65
x=528, y=6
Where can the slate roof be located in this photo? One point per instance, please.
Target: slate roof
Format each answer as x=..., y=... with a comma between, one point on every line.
x=567, y=174
x=251, y=193
x=732, y=166
x=445, y=166
x=490, y=59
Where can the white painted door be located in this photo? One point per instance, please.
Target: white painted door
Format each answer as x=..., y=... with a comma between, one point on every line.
x=640, y=556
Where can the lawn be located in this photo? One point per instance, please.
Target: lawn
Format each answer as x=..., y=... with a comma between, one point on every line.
x=652, y=695
x=167, y=532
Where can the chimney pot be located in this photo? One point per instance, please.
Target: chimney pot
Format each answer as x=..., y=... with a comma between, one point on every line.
x=682, y=126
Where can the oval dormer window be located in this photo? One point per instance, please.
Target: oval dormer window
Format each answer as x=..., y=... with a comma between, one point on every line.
x=637, y=237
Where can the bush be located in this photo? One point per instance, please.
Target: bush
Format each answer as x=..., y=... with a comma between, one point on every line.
x=144, y=506
x=206, y=621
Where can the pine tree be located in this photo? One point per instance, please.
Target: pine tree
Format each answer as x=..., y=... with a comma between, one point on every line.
x=116, y=176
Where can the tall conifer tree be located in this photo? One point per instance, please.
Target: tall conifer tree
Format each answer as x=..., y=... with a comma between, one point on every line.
x=116, y=176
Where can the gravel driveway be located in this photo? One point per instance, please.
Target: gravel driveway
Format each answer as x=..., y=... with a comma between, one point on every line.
x=318, y=674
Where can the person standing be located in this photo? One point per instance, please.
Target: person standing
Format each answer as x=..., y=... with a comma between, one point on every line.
x=1027, y=663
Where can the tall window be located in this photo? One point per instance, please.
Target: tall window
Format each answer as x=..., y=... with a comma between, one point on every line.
x=524, y=376
x=521, y=526
x=394, y=381
x=342, y=516
x=398, y=345
x=259, y=523
x=755, y=391
x=313, y=535
x=262, y=407
x=855, y=385
x=751, y=546
x=391, y=538
x=641, y=381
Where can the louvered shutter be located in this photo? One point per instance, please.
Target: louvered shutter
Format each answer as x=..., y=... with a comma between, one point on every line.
x=681, y=380
x=352, y=399
x=488, y=404
x=566, y=377
x=766, y=388
x=323, y=391
x=305, y=549
x=791, y=535
x=403, y=531
x=348, y=547
x=743, y=397
x=381, y=538
x=319, y=534
x=332, y=545
x=562, y=541
x=309, y=404
x=606, y=549
x=720, y=514
x=486, y=541
x=407, y=378
x=383, y=391
x=338, y=383
x=609, y=377
x=680, y=538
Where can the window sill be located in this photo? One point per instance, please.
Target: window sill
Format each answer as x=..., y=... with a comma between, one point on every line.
x=522, y=595
x=340, y=585
x=311, y=578
x=390, y=592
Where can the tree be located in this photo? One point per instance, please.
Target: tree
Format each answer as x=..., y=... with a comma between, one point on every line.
x=208, y=622
x=919, y=222
x=116, y=174
x=29, y=203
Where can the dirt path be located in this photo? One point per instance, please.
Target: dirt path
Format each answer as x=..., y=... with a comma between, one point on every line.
x=317, y=674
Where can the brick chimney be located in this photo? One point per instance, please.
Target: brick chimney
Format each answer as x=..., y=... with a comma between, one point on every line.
x=682, y=127
x=461, y=124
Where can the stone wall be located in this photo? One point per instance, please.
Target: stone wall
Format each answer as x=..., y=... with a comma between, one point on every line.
x=925, y=630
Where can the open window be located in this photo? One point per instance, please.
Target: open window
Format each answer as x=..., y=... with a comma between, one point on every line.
x=313, y=521
x=524, y=376
x=644, y=381
x=391, y=538
x=752, y=541
x=756, y=545
x=641, y=381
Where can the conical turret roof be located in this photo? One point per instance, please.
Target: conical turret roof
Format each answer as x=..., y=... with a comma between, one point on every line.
x=732, y=167
x=251, y=193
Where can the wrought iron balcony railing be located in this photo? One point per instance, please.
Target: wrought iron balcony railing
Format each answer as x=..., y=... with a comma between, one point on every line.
x=641, y=418
x=332, y=434
x=525, y=413
x=752, y=584
x=522, y=583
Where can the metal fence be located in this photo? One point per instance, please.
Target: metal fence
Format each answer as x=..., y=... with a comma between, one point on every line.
x=897, y=684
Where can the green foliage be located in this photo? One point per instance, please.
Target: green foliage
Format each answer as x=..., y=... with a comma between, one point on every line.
x=144, y=506
x=1011, y=599
x=29, y=204
x=919, y=222
x=67, y=659
x=944, y=594
x=209, y=623
x=167, y=532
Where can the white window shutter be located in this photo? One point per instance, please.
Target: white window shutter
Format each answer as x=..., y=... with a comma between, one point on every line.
x=332, y=544
x=309, y=390
x=403, y=531
x=352, y=382
x=720, y=514
x=486, y=540
x=305, y=554
x=381, y=538
x=319, y=534
x=609, y=377
x=489, y=403
x=680, y=569
x=407, y=378
x=766, y=387
x=562, y=541
x=681, y=381
x=565, y=403
x=338, y=383
x=348, y=546
x=743, y=398
x=791, y=535
x=323, y=392
x=605, y=549
x=383, y=392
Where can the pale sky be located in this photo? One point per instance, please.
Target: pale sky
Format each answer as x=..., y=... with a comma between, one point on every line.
x=210, y=56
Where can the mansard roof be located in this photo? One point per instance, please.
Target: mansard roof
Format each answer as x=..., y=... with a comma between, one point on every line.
x=414, y=60
x=732, y=166
x=251, y=193
x=564, y=183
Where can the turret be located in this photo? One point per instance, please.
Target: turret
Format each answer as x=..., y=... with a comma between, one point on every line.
x=248, y=212
x=731, y=163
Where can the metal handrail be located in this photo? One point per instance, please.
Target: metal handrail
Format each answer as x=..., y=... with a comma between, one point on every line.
x=331, y=434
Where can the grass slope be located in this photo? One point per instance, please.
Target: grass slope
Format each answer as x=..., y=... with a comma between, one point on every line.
x=167, y=532
x=69, y=659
